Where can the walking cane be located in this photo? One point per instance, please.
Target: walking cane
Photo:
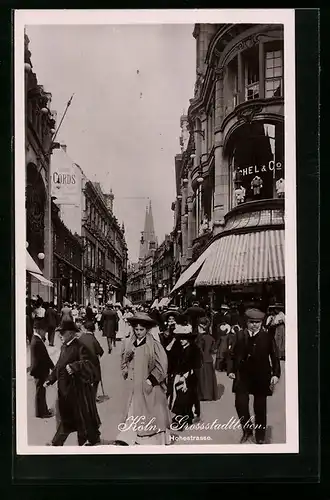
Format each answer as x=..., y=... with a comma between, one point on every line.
x=104, y=396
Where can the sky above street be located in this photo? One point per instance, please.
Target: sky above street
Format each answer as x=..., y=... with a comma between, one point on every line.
x=131, y=84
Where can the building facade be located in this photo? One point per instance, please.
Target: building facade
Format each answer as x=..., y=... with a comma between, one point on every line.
x=230, y=175
x=136, y=283
x=39, y=130
x=67, y=262
x=105, y=249
x=163, y=269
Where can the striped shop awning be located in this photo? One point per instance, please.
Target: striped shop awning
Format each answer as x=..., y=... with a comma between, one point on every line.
x=244, y=258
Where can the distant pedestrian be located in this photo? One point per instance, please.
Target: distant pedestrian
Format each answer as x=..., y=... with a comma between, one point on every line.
x=208, y=387
x=75, y=375
x=39, y=316
x=109, y=325
x=90, y=316
x=254, y=366
x=66, y=312
x=74, y=312
x=51, y=322
x=40, y=366
x=221, y=346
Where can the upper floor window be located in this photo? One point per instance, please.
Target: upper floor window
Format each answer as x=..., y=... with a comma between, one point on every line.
x=274, y=73
x=251, y=73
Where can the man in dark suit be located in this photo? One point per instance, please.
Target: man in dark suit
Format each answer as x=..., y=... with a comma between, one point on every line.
x=75, y=374
x=41, y=364
x=51, y=321
x=254, y=366
x=88, y=339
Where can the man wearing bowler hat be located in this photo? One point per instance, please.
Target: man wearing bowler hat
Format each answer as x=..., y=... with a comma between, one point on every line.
x=254, y=366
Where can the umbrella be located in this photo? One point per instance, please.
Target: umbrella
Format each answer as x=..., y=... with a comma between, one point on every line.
x=195, y=312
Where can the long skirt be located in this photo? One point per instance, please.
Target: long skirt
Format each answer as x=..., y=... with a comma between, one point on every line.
x=280, y=340
x=208, y=383
x=221, y=356
x=130, y=435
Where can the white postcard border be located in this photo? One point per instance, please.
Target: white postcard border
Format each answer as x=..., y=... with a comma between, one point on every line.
x=70, y=17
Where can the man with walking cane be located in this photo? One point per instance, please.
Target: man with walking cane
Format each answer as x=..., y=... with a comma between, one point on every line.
x=88, y=339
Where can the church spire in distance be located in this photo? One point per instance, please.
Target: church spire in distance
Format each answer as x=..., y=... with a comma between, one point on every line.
x=148, y=237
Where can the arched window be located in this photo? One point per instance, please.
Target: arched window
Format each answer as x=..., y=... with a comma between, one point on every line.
x=256, y=162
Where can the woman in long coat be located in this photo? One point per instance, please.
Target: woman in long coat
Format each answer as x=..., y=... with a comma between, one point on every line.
x=208, y=388
x=144, y=367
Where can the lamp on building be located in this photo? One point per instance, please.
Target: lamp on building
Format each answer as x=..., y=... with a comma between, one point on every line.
x=200, y=179
x=52, y=131
x=179, y=197
x=27, y=67
x=185, y=180
x=44, y=111
x=41, y=256
x=192, y=156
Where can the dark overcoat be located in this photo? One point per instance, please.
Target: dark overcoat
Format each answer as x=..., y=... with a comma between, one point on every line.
x=189, y=362
x=253, y=363
x=95, y=350
x=41, y=363
x=109, y=323
x=76, y=398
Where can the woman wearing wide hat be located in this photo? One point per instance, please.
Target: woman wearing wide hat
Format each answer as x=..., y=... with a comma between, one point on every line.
x=185, y=385
x=144, y=367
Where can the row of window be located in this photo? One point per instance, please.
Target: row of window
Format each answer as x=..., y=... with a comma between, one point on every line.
x=65, y=248
x=251, y=75
x=95, y=218
x=102, y=260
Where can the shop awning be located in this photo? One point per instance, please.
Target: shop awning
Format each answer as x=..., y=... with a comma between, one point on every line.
x=192, y=269
x=42, y=279
x=244, y=258
x=127, y=302
x=155, y=304
x=31, y=266
x=164, y=302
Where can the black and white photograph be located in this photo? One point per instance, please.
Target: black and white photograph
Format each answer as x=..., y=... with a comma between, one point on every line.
x=155, y=214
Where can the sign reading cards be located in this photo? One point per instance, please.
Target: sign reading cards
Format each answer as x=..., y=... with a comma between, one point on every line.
x=65, y=180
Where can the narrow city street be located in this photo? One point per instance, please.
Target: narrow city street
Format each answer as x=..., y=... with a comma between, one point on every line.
x=41, y=431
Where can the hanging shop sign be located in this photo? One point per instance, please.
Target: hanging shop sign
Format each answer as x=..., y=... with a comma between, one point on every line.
x=65, y=179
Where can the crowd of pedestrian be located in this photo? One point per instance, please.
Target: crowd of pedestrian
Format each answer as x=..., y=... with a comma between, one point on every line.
x=169, y=360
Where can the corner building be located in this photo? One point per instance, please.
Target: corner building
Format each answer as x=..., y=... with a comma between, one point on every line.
x=231, y=180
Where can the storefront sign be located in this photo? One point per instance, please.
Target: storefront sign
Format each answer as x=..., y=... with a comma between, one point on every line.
x=253, y=170
x=65, y=179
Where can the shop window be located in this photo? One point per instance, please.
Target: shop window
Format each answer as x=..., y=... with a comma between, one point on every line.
x=256, y=163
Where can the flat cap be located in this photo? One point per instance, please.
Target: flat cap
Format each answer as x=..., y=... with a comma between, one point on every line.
x=254, y=314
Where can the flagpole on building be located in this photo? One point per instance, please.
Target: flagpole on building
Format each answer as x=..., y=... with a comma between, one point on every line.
x=65, y=112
